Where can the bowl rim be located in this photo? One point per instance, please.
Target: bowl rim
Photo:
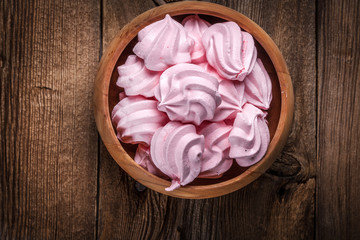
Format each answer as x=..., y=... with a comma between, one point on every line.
x=103, y=118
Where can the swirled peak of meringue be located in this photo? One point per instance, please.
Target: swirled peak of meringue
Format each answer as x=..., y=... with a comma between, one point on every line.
x=195, y=26
x=229, y=50
x=136, y=79
x=232, y=99
x=136, y=119
x=250, y=137
x=163, y=44
x=188, y=94
x=143, y=158
x=216, y=159
x=258, y=86
x=176, y=149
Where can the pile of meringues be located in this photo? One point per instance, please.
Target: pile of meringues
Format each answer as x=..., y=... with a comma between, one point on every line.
x=195, y=99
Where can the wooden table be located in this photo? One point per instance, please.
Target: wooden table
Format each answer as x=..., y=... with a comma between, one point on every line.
x=57, y=181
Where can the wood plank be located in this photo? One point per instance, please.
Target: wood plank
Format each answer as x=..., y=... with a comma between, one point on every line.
x=121, y=215
x=280, y=203
x=48, y=58
x=338, y=191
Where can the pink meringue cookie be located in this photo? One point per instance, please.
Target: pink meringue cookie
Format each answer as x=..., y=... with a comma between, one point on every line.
x=195, y=27
x=163, y=44
x=209, y=69
x=232, y=99
x=136, y=79
x=176, y=149
x=136, y=119
x=122, y=95
x=188, y=94
x=143, y=158
x=250, y=137
x=258, y=86
x=216, y=158
x=229, y=50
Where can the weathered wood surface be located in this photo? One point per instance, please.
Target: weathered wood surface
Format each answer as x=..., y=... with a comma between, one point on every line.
x=51, y=186
x=49, y=145
x=338, y=182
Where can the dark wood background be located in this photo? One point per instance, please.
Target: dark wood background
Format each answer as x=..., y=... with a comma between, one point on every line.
x=57, y=180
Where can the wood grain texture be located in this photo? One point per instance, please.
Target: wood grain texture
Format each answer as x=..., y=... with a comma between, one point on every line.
x=338, y=191
x=48, y=58
x=48, y=153
x=121, y=206
x=284, y=196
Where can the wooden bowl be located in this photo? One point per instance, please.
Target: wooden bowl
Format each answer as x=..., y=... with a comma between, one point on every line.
x=106, y=96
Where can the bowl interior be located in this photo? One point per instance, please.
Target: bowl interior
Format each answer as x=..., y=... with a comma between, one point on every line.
x=273, y=112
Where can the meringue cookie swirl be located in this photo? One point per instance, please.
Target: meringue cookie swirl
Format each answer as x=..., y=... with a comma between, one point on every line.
x=250, y=137
x=216, y=159
x=195, y=27
x=136, y=79
x=258, y=86
x=176, y=150
x=163, y=44
x=187, y=93
x=136, y=119
x=229, y=50
x=143, y=158
x=232, y=99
